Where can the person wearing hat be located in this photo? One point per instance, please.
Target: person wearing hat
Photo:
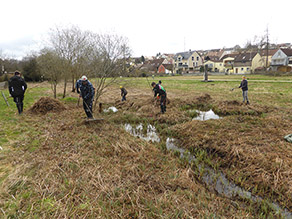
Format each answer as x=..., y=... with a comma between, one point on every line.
x=123, y=93
x=161, y=92
x=77, y=85
x=243, y=86
x=86, y=90
x=17, y=88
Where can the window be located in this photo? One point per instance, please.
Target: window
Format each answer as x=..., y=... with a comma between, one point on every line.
x=197, y=58
x=242, y=69
x=247, y=69
x=179, y=59
x=193, y=58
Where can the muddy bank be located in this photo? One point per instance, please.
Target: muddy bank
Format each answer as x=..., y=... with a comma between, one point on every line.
x=214, y=180
x=181, y=110
x=250, y=150
x=246, y=142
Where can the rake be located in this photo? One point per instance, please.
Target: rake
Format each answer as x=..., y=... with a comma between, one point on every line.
x=93, y=119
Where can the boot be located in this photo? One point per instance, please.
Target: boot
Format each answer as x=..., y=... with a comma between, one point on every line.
x=18, y=108
x=247, y=103
x=162, y=108
x=21, y=107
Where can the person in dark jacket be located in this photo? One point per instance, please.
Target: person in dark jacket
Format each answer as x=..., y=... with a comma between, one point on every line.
x=124, y=92
x=160, y=91
x=17, y=88
x=77, y=85
x=86, y=91
x=243, y=86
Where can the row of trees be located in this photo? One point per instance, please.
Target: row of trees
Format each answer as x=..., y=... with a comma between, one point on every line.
x=71, y=52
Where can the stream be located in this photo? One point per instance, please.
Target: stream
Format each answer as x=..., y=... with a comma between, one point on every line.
x=214, y=180
x=203, y=116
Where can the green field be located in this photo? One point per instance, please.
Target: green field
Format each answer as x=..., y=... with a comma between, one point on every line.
x=54, y=165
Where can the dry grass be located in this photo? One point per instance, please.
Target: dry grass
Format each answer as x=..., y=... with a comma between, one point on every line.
x=47, y=104
x=100, y=171
x=67, y=169
x=247, y=142
x=249, y=146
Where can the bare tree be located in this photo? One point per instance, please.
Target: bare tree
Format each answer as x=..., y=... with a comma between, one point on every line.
x=52, y=67
x=107, y=60
x=71, y=46
x=102, y=56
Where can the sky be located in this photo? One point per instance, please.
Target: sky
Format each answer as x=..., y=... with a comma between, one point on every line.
x=151, y=26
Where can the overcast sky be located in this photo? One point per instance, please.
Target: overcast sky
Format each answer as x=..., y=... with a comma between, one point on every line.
x=151, y=26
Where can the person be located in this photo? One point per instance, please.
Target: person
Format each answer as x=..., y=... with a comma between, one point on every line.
x=160, y=83
x=77, y=85
x=86, y=91
x=17, y=88
x=123, y=93
x=160, y=91
x=243, y=86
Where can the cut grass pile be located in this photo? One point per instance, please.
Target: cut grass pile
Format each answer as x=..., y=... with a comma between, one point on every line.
x=47, y=104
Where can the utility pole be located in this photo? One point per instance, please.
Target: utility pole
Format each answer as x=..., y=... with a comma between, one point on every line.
x=267, y=48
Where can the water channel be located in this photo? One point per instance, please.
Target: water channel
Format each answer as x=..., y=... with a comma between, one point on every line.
x=214, y=180
x=203, y=116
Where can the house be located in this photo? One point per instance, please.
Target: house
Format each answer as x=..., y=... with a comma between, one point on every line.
x=282, y=60
x=165, y=68
x=267, y=56
x=214, y=64
x=228, y=62
x=219, y=52
x=168, y=58
x=214, y=53
x=152, y=66
x=247, y=62
x=186, y=62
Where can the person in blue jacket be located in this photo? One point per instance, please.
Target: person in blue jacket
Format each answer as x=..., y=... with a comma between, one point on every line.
x=86, y=91
x=243, y=86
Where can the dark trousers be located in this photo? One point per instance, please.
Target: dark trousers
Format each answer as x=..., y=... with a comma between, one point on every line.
x=124, y=97
x=163, y=103
x=19, y=103
x=87, y=106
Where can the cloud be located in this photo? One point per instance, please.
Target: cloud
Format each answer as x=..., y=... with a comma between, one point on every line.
x=20, y=47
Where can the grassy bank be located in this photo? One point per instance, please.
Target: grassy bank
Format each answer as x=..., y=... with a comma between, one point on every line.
x=55, y=165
